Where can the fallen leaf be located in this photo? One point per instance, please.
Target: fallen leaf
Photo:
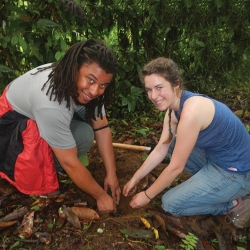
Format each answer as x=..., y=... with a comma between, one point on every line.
x=71, y=216
x=7, y=223
x=156, y=233
x=26, y=227
x=161, y=222
x=147, y=225
x=145, y=222
x=41, y=203
x=137, y=233
x=6, y=188
x=44, y=237
x=85, y=213
x=61, y=219
x=16, y=214
x=177, y=231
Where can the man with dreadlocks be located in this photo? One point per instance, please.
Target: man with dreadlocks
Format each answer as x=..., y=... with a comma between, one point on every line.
x=50, y=116
x=209, y=141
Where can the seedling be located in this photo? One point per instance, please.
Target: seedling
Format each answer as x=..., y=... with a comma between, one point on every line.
x=189, y=242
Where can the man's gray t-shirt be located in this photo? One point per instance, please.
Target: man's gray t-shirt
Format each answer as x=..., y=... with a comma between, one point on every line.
x=53, y=120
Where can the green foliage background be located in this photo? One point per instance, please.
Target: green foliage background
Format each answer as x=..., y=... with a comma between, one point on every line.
x=209, y=39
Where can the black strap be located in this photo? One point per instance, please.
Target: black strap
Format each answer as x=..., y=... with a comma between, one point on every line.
x=100, y=128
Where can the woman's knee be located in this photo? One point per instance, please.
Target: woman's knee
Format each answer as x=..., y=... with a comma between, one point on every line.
x=170, y=204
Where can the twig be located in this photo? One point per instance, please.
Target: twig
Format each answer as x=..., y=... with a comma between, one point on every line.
x=137, y=241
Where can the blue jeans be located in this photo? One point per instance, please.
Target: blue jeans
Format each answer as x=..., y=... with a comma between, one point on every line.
x=210, y=189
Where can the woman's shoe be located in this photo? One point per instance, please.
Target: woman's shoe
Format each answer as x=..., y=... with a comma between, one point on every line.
x=240, y=214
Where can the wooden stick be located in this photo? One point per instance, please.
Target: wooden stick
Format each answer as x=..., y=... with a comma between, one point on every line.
x=128, y=146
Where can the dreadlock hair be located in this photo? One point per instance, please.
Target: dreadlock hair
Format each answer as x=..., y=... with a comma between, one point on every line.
x=63, y=77
x=169, y=70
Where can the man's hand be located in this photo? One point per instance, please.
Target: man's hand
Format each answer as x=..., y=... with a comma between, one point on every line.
x=104, y=143
x=111, y=182
x=106, y=204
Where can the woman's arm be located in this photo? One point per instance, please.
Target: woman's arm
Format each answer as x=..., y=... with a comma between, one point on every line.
x=190, y=124
x=155, y=157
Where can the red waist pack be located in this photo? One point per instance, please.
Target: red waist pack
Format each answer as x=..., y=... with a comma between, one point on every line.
x=26, y=160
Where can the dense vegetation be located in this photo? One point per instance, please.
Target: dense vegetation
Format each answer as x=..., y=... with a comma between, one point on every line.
x=208, y=39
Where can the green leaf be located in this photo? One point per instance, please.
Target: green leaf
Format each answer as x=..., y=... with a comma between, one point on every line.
x=135, y=91
x=5, y=69
x=124, y=122
x=64, y=45
x=233, y=47
x=192, y=243
x=167, y=30
x=36, y=208
x=143, y=131
x=185, y=241
x=22, y=43
x=59, y=55
x=84, y=159
x=16, y=9
x=201, y=44
x=46, y=23
x=159, y=247
x=17, y=243
x=4, y=44
x=144, y=156
x=85, y=227
x=50, y=225
x=14, y=40
x=137, y=233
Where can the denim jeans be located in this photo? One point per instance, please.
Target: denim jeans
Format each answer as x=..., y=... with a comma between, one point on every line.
x=210, y=189
x=84, y=137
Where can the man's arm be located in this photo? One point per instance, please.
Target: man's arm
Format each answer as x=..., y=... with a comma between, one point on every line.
x=104, y=143
x=80, y=175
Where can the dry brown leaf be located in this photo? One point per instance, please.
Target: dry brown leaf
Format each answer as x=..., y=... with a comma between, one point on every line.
x=161, y=222
x=7, y=223
x=85, y=213
x=16, y=214
x=6, y=188
x=26, y=227
x=42, y=203
x=61, y=219
x=129, y=141
x=44, y=237
x=71, y=216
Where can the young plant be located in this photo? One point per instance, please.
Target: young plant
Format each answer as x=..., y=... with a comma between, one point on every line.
x=189, y=242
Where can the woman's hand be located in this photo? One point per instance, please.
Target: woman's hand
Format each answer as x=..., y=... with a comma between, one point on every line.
x=130, y=188
x=139, y=200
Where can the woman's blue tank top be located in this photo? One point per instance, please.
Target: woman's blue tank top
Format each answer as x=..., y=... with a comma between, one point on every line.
x=226, y=140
